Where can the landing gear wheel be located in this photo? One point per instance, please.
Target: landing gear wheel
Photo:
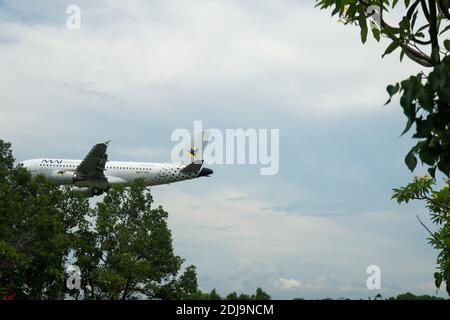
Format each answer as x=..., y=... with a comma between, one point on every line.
x=96, y=191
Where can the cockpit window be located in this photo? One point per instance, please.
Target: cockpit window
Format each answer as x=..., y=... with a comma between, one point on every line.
x=20, y=165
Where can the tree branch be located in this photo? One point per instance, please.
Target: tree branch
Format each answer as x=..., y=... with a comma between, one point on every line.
x=433, y=236
x=417, y=56
x=437, y=203
x=425, y=10
x=410, y=52
x=433, y=31
x=424, y=43
x=445, y=8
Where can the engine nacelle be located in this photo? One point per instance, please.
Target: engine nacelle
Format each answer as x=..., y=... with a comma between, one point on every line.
x=87, y=192
x=64, y=177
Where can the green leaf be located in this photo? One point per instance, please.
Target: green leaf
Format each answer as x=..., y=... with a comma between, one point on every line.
x=432, y=172
x=402, y=55
x=422, y=28
x=336, y=10
x=447, y=278
x=447, y=44
x=363, y=26
x=394, y=45
x=405, y=25
x=427, y=156
x=437, y=279
x=438, y=77
x=391, y=89
x=407, y=102
x=376, y=33
x=423, y=128
x=351, y=12
x=444, y=96
x=411, y=161
x=425, y=96
x=444, y=165
x=419, y=35
x=408, y=126
x=445, y=29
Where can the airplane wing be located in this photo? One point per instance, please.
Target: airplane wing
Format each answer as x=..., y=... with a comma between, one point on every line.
x=93, y=165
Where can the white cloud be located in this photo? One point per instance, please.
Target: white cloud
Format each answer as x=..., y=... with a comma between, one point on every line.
x=329, y=254
x=165, y=56
x=287, y=284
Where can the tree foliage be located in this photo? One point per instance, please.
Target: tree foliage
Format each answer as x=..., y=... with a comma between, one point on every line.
x=426, y=104
x=36, y=219
x=260, y=294
x=438, y=205
x=419, y=27
x=421, y=35
x=122, y=246
x=124, y=249
x=411, y=296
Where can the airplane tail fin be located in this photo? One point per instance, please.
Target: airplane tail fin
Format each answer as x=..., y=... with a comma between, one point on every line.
x=196, y=148
x=195, y=154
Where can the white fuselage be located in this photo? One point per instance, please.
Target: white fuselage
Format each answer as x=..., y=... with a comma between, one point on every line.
x=61, y=171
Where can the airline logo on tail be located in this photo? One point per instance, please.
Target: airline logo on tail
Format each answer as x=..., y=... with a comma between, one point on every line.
x=193, y=152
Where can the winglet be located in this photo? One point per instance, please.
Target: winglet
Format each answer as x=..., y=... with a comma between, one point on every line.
x=107, y=142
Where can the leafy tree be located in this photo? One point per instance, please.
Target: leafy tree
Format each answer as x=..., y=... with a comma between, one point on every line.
x=188, y=282
x=36, y=219
x=213, y=295
x=122, y=246
x=244, y=296
x=260, y=295
x=420, y=36
x=232, y=296
x=124, y=250
x=410, y=296
x=439, y=209
x=6, y=157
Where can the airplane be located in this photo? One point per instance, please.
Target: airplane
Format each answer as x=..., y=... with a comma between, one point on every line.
x=94, y=175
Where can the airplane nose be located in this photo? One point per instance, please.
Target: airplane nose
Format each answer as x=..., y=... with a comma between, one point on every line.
x=205, y=172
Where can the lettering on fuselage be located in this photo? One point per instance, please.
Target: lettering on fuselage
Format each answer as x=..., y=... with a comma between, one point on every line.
x=51, y=161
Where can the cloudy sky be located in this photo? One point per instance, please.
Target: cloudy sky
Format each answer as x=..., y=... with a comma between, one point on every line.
x=137, y=70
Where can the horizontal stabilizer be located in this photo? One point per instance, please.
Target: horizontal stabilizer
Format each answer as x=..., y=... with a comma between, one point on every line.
x=193, y=167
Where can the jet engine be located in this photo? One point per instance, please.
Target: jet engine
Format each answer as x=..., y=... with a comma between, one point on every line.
x=87, y=192
x=65, y=177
